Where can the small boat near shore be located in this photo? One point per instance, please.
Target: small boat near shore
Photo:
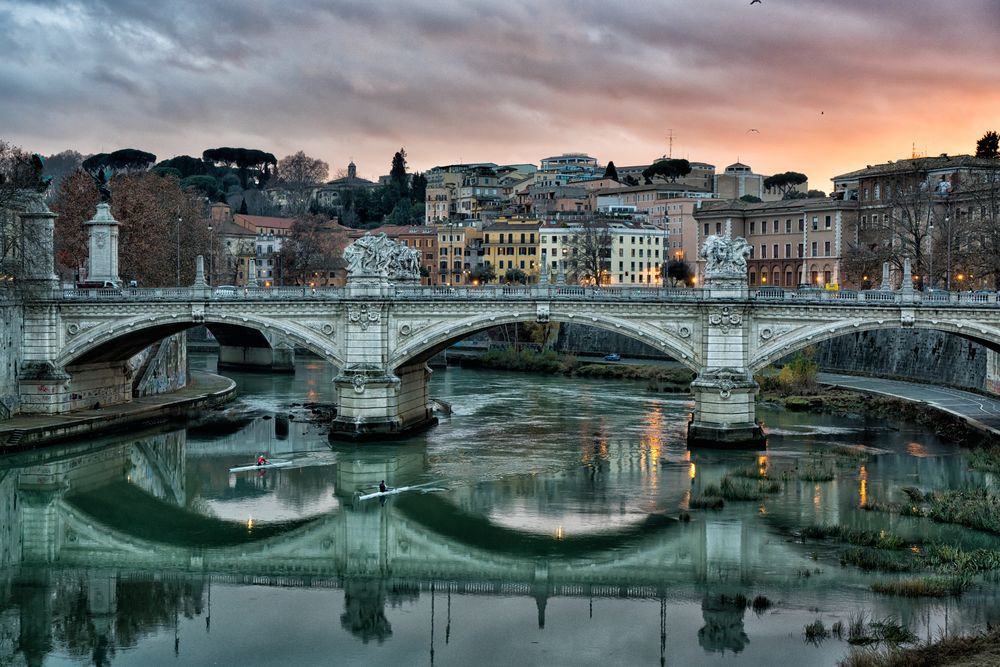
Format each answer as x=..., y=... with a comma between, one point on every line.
x=423, y=488
x=262, y=466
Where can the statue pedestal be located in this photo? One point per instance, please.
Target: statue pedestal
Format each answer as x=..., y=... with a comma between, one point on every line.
x=726, y=286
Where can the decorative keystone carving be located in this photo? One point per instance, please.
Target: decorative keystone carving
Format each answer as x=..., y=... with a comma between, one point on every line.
x=542, y=314
x=359, y=381
x=198, y=312
x=725, y=318
x=405, y=330
x=364, y=315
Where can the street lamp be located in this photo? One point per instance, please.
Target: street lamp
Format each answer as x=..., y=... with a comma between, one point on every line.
x=930, y=256
x=211, y=256
x=179, y=248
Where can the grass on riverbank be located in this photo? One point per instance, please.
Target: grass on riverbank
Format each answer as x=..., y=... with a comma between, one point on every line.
x=938, y=587
x=982, y=650
x=863, y=538
x=985, y=459
x=974, y=508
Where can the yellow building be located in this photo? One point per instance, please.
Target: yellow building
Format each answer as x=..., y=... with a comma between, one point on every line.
x=459, y=249
x=512, y=246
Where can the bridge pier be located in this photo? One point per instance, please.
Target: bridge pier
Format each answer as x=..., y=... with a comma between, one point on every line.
x=725, y=391
x=374, y=403
x=725, y=411
x=277, y=359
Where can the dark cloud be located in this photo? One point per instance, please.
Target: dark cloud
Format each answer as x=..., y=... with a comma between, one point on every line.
x=504, y=81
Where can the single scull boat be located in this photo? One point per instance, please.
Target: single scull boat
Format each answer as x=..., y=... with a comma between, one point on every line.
x=254, y=466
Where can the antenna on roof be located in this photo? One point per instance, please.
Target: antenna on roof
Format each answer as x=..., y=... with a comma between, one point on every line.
x=670, y=147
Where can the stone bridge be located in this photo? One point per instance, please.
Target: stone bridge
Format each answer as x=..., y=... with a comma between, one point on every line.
x=381, y=328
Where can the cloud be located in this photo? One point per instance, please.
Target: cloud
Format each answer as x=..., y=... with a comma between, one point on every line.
x=505, y=82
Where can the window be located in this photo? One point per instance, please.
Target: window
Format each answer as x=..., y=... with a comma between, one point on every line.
x=788, y=250
x=718, y=228
x=800, y=251
x=706, y=229
x=828, y=222
x=815, y=223
x=802, y=224
x=814, y=248
x=826, y=248
x=763, y=251
x=775, y=249
x=775, y=226
x=753, y=227
x=788, y=226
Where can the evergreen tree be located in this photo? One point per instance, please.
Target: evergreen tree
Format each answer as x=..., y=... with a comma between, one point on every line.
x=243, y=207
x=611, y=171
x=988, y=146
x=397, y=175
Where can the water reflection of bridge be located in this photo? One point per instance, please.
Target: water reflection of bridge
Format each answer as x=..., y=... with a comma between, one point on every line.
x=91, y=527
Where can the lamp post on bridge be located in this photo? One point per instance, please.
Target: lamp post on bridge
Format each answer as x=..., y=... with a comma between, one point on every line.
x=179, y=248
x=930, y=256
x=211, y=256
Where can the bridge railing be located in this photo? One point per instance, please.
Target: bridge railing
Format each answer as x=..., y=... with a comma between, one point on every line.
x=532, y=292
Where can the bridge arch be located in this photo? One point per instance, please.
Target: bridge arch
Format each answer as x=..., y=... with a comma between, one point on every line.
x=426, y=343
x=121, y=339
x=987, y=336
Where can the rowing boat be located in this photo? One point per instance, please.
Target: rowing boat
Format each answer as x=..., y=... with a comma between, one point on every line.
x=254, y=466
x=400, y=489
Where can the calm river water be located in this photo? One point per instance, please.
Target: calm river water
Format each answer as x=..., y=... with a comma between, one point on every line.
x=547, y=530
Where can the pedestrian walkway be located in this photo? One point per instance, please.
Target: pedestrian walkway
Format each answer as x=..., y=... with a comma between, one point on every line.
x=203, y=389
x=979, y=410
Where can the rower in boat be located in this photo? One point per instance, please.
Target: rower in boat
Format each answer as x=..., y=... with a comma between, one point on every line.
x=382, y=488
x=261, y=460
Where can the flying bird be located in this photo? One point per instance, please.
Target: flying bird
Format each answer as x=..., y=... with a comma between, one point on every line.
x=754, y=2
x=752, y=129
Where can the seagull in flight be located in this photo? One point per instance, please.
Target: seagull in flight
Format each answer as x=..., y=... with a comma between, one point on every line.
x=754, y=130
x=754, y=2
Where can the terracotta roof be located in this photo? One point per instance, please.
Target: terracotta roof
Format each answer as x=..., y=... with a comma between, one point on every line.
x=263, y=221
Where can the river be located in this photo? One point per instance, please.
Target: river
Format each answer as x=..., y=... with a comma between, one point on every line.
x=551, y=526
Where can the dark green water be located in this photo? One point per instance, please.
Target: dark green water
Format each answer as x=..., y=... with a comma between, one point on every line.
x=551, y=536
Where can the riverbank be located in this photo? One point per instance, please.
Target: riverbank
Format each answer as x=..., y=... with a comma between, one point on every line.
x=204, y=390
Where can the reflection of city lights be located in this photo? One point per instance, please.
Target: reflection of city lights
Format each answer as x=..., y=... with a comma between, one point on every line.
x=250, y=523
x=916, y=449
x=762, y=465
x=560, y=533
x=762, y=510
x=816, y=497
x=863, y=490
x=692, y=471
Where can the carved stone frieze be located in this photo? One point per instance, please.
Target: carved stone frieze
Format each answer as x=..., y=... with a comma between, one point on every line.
x=378, y=256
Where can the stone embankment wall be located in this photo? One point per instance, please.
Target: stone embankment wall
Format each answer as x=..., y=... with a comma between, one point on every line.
x=925, y=356
x=11, y=334
x=581, y=339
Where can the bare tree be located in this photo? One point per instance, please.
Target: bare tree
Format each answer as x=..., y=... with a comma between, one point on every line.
x=975, y=247
x=20, y=181
x=162, y=226
x=298, y=175
x=590, y=252
x=904, y=226
x=312, y=252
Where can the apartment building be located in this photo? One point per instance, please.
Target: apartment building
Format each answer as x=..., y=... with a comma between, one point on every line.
x=512, y=246
x=793, y=242
x=460, y=253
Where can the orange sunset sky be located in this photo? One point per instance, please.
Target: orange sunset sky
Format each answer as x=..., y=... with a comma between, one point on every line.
x=829, y=85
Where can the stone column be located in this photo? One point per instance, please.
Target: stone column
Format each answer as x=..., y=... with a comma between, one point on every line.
x=102, y=232
x=37, y=245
